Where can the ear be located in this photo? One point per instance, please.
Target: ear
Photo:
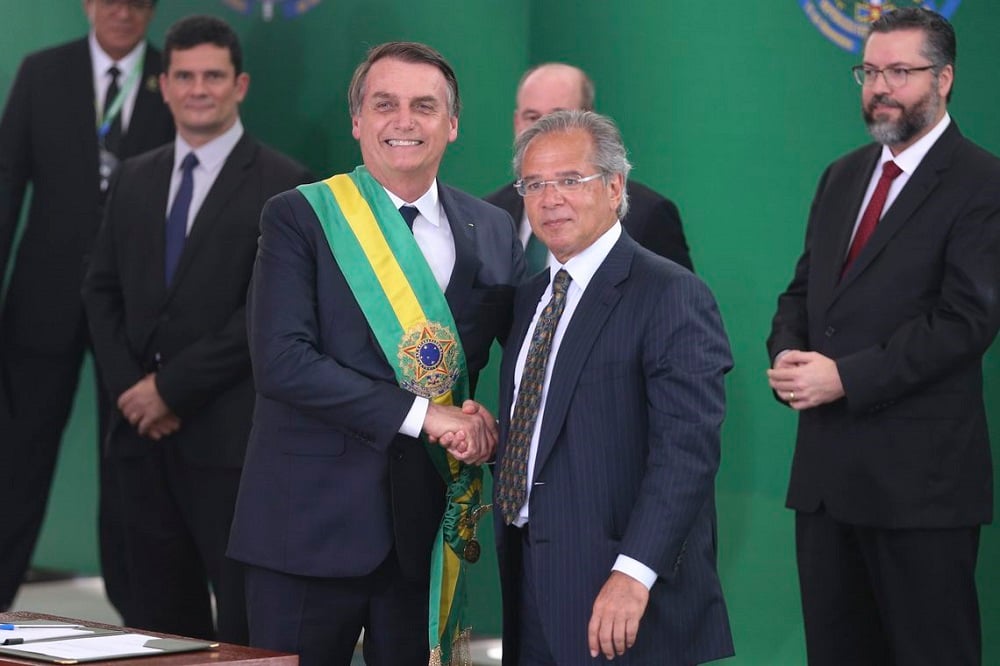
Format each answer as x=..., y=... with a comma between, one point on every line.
x=453, y=132
x=946, y=79
x=242, y=86
x=616, y=185
x=163, y=86
x=355, y=129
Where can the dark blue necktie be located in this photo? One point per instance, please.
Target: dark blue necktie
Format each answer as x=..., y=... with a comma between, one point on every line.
x=409, y=214
x=176, y=230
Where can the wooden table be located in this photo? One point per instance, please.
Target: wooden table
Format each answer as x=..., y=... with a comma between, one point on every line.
x=226, y=653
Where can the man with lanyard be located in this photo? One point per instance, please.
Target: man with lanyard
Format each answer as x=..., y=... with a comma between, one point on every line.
x=73, y=112
x=375, y=299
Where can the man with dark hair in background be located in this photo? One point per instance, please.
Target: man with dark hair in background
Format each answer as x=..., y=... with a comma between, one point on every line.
x=74, y=111
x=166, y=303
x=375, y=300
x=653, y=221
x=878, y=343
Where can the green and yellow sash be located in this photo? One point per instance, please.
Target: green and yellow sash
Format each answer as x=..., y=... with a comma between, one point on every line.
x=413, y=324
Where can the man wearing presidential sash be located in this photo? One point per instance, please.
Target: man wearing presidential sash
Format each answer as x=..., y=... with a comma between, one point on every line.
x=375, y=299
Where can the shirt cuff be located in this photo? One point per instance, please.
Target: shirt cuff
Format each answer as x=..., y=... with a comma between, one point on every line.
x=413, y=424
x=635, y=569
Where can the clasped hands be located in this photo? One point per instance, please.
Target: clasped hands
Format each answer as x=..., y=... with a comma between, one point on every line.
x=805, y=379
x=144, y=408
x=468, y=433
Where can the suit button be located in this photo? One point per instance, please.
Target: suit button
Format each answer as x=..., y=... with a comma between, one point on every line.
x=830, y=330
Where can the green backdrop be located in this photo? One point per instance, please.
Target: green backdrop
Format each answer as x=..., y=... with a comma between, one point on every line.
x=732, y=109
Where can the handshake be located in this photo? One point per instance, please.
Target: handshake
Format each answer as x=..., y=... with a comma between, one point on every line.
x=469, y=433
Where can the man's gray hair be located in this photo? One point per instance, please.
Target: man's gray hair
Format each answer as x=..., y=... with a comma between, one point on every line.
x=608, y=152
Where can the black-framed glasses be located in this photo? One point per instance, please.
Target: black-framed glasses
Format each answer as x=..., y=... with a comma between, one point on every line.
x=895, y=77
x=531, y=188
x=134, y=5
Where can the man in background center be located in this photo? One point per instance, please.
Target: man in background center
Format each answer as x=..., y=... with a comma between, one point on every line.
x=652, y=220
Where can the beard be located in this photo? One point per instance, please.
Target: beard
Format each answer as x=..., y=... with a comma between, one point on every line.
x=912, y=120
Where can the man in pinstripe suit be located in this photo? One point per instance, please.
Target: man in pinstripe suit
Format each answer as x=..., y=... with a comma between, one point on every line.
x=612, y=399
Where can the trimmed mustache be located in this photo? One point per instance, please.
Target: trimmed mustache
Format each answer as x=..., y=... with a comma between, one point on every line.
x=883, y=100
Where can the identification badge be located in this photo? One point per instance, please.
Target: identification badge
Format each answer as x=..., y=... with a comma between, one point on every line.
x=107, y=164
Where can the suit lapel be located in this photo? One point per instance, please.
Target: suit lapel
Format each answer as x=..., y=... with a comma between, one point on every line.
x=914, y=193
x=836, y=233
x=525, y=304
x=597, y=304
x=78, y=85
x=232, y=176
x=152, y=233
x=147, y=100
x=467, y=262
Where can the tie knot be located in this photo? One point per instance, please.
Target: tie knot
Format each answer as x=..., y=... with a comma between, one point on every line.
x=114, y=73
x=189, y=162
x=409, y=214
x=890, y=170
x=561, y=282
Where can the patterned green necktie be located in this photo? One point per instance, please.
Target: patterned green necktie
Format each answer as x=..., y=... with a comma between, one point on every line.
x=512, y=482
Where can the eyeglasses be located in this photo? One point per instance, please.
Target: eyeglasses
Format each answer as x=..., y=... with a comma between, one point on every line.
x=532, y=188
x=134, y=5
x=895, y=77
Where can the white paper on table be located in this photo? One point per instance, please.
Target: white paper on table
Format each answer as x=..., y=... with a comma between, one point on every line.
x=28, y=634
x=115, y=645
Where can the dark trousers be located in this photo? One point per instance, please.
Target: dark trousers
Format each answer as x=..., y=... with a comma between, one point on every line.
x=532, y=646
x=177, y=519
x=40, y=390
x=884, y=597
x=321, y=619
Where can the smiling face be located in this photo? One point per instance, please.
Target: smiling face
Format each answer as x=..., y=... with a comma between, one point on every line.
x=203, y=91
x=899, y=117
x=569, y=223
x=404, y=125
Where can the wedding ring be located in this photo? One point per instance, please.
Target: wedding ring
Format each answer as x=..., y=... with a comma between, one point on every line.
x=791, y=396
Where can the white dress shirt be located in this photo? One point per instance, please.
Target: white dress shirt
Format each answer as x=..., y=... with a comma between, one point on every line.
x=908, y=161
x=211, y=157
x=432, y=232
x=100, y=63
x=581, y=269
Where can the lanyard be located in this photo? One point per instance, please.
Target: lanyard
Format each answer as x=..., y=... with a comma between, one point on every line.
x=104, y=123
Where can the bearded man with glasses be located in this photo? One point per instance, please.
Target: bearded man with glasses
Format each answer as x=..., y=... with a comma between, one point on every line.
x=877, y=344
x=73, y=113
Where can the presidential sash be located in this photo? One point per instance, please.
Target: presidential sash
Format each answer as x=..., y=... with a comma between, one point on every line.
x=411, y=320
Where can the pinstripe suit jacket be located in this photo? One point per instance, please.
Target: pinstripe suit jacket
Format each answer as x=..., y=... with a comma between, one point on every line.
x=627, y=456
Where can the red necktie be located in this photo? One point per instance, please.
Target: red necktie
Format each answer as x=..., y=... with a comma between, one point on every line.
x=872, y=213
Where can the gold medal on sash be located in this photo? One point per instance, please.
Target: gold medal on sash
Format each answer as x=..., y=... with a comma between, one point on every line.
x=428, y=359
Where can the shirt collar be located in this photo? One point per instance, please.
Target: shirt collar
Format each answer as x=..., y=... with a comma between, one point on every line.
x=212, y=154
x=427, y=205
x=102, y=61
x=583, y=266
x=910, y=159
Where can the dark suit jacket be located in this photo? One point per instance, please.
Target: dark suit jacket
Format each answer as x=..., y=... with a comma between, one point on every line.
x=194, y=333
x=626, y=461
x=652, y=220
x=907, y=326
x=329, y=485
x=48, y=138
